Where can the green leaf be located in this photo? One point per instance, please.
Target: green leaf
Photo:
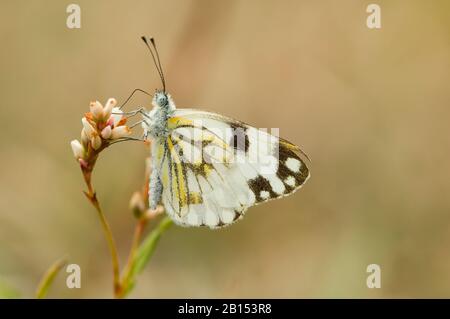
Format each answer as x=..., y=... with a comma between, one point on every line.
x=48, y=278
x=148, y=246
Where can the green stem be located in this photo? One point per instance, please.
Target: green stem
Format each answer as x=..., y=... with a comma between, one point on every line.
x=148, y=246
x=138, y=232
x=143, y=254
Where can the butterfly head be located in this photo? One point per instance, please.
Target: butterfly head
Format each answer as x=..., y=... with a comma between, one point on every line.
x=163, y=100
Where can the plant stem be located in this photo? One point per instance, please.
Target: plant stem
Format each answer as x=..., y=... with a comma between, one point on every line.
x=92, y=197
x=138, y=231
x=48, y=278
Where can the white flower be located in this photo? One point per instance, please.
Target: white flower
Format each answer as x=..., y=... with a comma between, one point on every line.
x=77, y=149
x=120, y=131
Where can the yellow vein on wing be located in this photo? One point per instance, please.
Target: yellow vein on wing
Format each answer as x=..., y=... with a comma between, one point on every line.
x=177, y=171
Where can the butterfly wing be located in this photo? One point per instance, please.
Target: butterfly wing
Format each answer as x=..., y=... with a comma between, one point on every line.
x=214, y=168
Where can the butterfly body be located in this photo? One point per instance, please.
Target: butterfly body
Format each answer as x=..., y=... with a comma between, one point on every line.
x=156, y=121
x=207, y=169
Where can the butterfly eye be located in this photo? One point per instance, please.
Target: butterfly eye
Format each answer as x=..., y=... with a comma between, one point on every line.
x=161, y=100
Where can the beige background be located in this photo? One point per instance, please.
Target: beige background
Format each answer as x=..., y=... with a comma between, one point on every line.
x=370, y=107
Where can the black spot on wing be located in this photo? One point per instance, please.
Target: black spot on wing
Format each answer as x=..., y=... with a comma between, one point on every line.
x=283, y=173
x=259, y=184
x=239, y=138
x=287, y=150
x=238, y=215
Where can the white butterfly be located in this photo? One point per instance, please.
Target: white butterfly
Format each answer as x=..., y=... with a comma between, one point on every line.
x=207, y=169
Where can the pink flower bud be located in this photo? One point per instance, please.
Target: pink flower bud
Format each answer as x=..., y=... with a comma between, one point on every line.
x=77, y=149
x=110, y=121
x=106, y=132
x=83, y=163
x=120, y=131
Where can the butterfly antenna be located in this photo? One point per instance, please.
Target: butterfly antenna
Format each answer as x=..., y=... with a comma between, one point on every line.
x=152, y=40
x=156, y=60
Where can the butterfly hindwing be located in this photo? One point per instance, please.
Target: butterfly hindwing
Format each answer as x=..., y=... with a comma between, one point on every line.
x=213, y=168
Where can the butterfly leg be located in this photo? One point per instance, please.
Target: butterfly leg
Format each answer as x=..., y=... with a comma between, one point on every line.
x=131, y=113
x=155, y=189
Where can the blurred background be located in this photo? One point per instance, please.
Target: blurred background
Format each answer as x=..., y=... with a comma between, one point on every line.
x=370, y=107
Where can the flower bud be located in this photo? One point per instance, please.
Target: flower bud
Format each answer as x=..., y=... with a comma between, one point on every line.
x=77, y=149
x=137, y=204
x=88, y=128
x=120, y=131
x=83, y=163
x=97, y=110
x=109, y=107
x=106, y=132
x=84, y=138
x=96, y=142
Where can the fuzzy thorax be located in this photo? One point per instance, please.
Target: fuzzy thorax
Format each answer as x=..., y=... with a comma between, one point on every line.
x=155, y=122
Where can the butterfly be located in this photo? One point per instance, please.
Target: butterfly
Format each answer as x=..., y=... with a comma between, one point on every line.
x=208, y=169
